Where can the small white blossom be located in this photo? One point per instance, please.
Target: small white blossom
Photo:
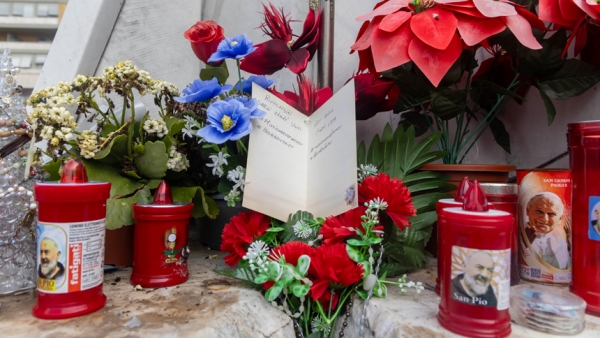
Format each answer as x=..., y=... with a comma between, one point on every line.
x=191, y=127
x=88, y=144
x=218, y=161
x=232, y=198
x=237, y=176
x=177, y=161
x=302, y=230
x=365, y=171
x=319, y=324
x=156, y=126
x=378, y=203
x=257, y=256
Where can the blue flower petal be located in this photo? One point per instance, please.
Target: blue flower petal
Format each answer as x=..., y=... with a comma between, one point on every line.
x=233, y=48
x=202, y=91
x=211, y=135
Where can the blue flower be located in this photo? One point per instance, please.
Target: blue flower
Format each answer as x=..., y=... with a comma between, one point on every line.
x=251, y=104
x=233, y=48
x=227, y=120
x=262, y=81
x=202, y=90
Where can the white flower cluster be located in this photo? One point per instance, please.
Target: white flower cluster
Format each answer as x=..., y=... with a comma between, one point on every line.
x=237, y=177
x=302, y=230
x=159, y=86
x=177, y=161
x=156, y=126
x=191, y=128
x=257, y=255
x=365, y=171
x=232, y=198
x=88, y=144
x=403, y=284
x=219, y=160
x=319, y=324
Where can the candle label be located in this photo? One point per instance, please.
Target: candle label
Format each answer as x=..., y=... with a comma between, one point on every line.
x=594, y=218
x=480, y=277
x=545, y=225
x=70, y=256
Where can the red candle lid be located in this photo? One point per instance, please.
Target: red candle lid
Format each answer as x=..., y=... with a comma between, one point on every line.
x=163, y=194
x=462, y=189
x=74, y=172
x=474, y=199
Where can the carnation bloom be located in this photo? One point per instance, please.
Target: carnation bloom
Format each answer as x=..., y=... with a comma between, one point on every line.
x=331, y=268
x=240, y=232
x=338, y=228
x=374, y=94
x=431, y=33
x=262, y=81
x=282, y=51
x=393, y=192
x=309, y=97
x=202, y=90
x=233, y=48
x=204, y=36
x=227, y=120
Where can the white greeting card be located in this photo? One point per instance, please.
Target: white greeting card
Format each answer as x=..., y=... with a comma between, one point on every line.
x=296, y=162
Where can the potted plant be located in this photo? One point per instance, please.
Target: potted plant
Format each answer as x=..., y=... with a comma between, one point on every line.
x=458, y=63
x=125, y=146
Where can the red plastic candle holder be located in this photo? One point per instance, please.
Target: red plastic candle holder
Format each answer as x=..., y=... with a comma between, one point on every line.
x=71, y=232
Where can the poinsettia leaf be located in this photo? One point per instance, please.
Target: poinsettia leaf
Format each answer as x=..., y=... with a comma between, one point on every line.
x=548, y=60
x=550, y=109
x=495, y=88
x=447, y=103
x=354, y=254
x=501, y=136
x=416, y=119
x=573, y=79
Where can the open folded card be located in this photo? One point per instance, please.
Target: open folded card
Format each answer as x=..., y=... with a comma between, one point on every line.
x=296, y=162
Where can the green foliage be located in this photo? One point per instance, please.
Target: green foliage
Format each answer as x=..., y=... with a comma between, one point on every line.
x=398, y=155
x=221, y=73
x=288, y=234
x=153, y=163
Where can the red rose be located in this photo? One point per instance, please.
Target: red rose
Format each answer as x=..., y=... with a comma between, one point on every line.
x=204, y=37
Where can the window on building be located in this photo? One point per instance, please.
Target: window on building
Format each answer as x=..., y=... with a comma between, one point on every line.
x=25, y=61
x=39, y=60
x=11, y=37
x=53, y=10
x=4, y=9
x=42, y=10
x=25, y=10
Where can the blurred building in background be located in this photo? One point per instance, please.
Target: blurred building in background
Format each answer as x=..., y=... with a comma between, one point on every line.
x=27, y=28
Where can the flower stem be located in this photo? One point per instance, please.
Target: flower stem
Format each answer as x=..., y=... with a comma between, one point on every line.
x=131, y=126
x=239, y=76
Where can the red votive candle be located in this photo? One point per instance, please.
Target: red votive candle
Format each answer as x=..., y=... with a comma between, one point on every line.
x=476, y=246
x=457, y=201
x=70, y=245
x=584, y=148
x=505, y=197
x=160, y=243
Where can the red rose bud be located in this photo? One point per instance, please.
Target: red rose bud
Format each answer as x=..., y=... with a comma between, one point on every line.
x=204, y=37
x=462, y=189
x=74, y=172
x=163, y=194
x=475, y=199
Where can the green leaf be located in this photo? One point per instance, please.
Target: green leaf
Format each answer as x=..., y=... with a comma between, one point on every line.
x=204, y=205
x=275, y=229
x=413, y=90
x=114, y=152
x=447, y=103
x=426, y=202
x=300, y=290
x=550, y=109
x=416, y=119
x=416, y=156
x=501, y=136
x=362, y=293
x=380, y=290
x=273, y=270
x=143, y=195
x=118, y=212
x=361, y=157
x=261, y=278
x=107, y=129
x=153, y=184
x=366, y=267
x=183, y=194
x=548, y=60
x=374, y=156
x=274, y=291
x=395, y=269
x=153, y=163
x=424, y=176
x=52, y=169
x=423, y=220
x=175, y=126
x=356, y=242
x=120, y=186
x=142, y=121
x=354, y=254
x=288, y=233
x=495, y=88
x=374, y=240
x=242, y=273
x=209, y=73
x=431, y=185
x=303, y=264
x=573, y=79
x=388, y=134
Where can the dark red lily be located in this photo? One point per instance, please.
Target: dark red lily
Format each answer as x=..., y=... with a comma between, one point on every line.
x=309, y=97
x=271, y=56
x=374, y=94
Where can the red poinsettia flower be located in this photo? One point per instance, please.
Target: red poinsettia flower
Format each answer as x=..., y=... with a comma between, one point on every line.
x=331, y=268
x=309, y=97
x=337, y=229
x=393, y=192
x=374, y=94
x=291, y=251
x=240, y=232
x=432, y=33
x=271, y=56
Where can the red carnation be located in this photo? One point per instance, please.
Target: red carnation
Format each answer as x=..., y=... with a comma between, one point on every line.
x=309, y=97
x=331, y=268
x=393, y=192
x=337, y=229
x=204, y=37
x=291, y=251
x=240, y=232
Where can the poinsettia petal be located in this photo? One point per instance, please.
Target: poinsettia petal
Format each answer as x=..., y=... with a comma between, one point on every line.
x=458, y=2
x=581, y=38
x=494, y=8
x=549, y=10
x=298, y=61
x=569, y=10
x=269, y=57
x=473, y=12
x=473, y=30
x=533, y=20
x=385, y=9
x=435, y=63
x=591, y=10
x=520, y=27
x=435, y=27
x=393, y=21
x=364, y=41
x=391, y=49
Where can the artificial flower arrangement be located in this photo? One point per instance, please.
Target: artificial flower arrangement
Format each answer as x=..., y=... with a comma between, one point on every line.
x=131, y=150
x=312, y=268
x=463, y=60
